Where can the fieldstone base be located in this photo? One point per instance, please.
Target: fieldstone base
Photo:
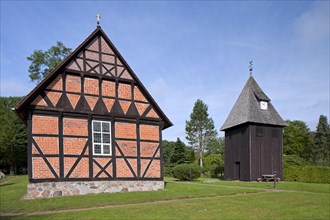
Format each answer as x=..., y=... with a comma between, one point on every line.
x=55, y=189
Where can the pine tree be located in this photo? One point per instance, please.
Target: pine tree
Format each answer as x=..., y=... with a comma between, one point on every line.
x=178, y=155
x=322, y=140
x=200, y=129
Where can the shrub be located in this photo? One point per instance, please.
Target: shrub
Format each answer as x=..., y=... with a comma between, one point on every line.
x=216, y=171
x=205, y=171
x=186, y=171
x=168, y=170
x=307, y=174
x=294, y=160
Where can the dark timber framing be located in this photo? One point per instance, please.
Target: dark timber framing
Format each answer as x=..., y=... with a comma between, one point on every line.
x=63, y=109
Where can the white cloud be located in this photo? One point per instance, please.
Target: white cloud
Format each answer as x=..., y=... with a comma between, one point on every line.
x=312, y=27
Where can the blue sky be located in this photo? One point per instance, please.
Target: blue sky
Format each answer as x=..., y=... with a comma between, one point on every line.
x=183, y=51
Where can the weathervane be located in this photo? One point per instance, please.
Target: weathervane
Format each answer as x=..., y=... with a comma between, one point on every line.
x=98, y=17
x=251, y=67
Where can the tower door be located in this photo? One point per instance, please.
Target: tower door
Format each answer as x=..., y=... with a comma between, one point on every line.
x=237, y=171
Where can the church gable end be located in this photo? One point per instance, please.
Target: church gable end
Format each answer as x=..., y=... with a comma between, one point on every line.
x=95, y=78
x=91, y=119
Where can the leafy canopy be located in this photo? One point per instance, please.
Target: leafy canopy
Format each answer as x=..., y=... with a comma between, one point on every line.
x=43, y=62
x=13, y=136
x=297, y=138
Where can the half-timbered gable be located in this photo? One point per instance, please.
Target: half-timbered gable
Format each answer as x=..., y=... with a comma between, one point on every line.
x=92, y=119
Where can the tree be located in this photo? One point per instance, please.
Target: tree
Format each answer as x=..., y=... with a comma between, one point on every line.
x=13, y=136
x=178, y=155
x=216, y=146
x=200, y=129
x=42, y=62
x=168, y=149
x=322, y=140
x=297, y=139
x=189, y=154
x=177, y=152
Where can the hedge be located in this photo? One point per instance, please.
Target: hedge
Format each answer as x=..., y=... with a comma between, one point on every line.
x=307, y=174
x=187, y=171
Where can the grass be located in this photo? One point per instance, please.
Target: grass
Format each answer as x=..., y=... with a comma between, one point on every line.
x=7, y=178
x=217, y=200
x=12, y=193
x=273, y=205
x=295, y=186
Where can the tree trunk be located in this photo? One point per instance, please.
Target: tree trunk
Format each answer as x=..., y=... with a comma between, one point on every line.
x=200, y=149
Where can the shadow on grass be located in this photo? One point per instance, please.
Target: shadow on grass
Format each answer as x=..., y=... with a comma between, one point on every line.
x=6, y=184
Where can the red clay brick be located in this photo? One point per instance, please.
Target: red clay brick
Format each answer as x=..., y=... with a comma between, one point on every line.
x=73, y=83
x=56, y=84
x=125, y=105
x=149, y=132
x=125, y=130
x=48, y=145
x=73, y=99
x=148, y=149
x=74, y=145
x=108, y=88
x=81, y=170
x=108, y=103
x=152, y=114
x=127, y=147
x=75, y=126
x=92, y=100
x=39, y=101
x=154, y=169
x=124, y=91
x=44, y=124
x=91, y=86
x=138, y=95
x=54, y=97
x=40, y=169
x=141, y=107
x=102, y=162
x=122, y=168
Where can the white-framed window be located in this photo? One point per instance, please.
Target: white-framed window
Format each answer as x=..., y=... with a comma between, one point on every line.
x=101, y=135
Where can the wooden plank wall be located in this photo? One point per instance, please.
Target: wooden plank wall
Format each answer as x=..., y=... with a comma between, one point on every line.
x=237, y=150
x=266, y=150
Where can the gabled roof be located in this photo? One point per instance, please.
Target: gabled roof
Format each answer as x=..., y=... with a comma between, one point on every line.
x=246, y=108
x=22, y=106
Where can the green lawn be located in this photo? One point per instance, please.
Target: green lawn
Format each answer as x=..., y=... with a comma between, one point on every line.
x=296, y=186
x=11, y=194
x=205, y=201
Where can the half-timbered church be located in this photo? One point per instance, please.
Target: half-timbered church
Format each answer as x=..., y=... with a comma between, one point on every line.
x=92, y=126
x=253, y=136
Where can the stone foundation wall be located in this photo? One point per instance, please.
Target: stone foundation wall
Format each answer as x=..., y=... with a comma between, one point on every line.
x=55, y=189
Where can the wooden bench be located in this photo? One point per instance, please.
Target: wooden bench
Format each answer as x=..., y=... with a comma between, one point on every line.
x=267, y=178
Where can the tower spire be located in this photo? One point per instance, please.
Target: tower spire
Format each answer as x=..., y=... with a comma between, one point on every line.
x=98, y=17
x=251, y=67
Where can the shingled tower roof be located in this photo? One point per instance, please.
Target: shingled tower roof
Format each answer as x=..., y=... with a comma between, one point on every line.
x=246, y=108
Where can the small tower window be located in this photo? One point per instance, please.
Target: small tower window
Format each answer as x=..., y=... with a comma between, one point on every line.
x=259, y=132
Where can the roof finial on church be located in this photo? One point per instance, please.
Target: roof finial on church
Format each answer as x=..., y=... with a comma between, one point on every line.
x=98, y=17
x=251, y=67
